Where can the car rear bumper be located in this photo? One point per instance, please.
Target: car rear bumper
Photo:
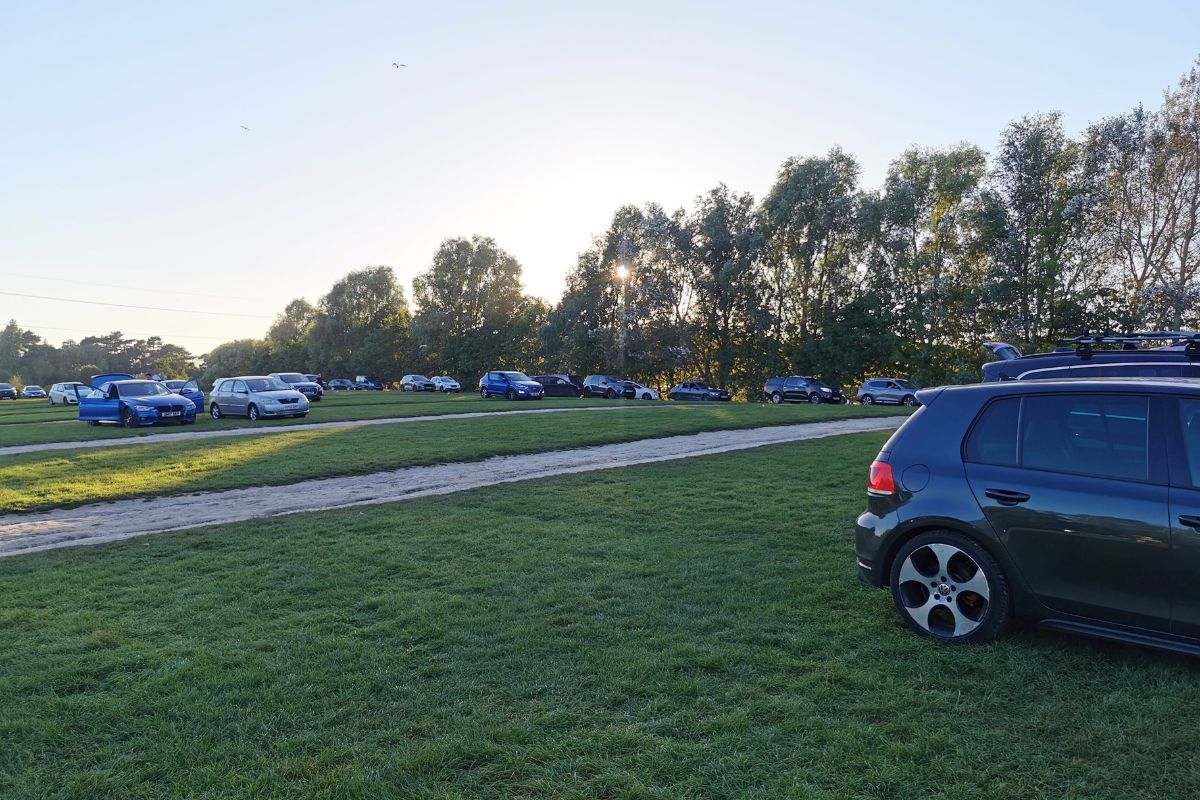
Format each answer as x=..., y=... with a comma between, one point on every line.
x=870, y=535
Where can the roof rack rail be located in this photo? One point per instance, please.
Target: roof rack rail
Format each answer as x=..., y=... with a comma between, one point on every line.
x=1085, y=342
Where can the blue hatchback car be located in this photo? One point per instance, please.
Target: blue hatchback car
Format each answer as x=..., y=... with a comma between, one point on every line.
x=510, y=385
x=131, y=402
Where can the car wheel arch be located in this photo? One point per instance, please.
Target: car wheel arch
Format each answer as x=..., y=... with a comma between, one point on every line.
x=931, y=525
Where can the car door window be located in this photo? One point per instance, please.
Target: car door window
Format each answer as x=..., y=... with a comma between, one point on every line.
x=239, y=386
x=1086, y=435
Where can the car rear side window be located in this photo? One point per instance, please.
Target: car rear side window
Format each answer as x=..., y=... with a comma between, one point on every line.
x=1086, y=434
x=1189, y=424
x=993, y=440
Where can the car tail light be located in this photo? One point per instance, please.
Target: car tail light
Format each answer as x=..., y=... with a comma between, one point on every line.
x=879, y=479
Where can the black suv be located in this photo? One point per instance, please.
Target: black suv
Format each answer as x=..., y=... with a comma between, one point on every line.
x=1086, y=356
x=1072, y=503
x=559, y=385
x=801, y=389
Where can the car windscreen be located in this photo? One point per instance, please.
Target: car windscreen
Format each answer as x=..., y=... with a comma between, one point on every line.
x=266, y=385
x=291, y=377
x=907, y=384
x=33, y=388
x=141, y=389
x=419, y=378
x=516, y=376
x=5, y=385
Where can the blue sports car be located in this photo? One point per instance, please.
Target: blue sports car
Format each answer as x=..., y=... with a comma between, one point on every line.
x=131, y=402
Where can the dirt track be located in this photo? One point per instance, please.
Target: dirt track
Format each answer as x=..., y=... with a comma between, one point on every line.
x=96, y=523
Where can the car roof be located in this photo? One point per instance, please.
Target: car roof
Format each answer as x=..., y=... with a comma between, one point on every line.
x=1077, y=385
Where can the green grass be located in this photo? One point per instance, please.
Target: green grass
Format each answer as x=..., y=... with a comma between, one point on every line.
x=672, y=631
x=34, y=481
x=22, y=424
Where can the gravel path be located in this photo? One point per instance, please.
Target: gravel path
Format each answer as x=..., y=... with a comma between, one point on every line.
x=154, y=438
x=124, y=519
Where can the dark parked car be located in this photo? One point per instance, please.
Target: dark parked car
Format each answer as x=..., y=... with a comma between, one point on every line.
x=559, y=386
x=341, y=385
x=801, y=389
x=7, y=392
x=417, y=383
x=1086, y=357
x=510, y=385
x=1072, y=503
x=310, y=389
x=696, y=390
x=608, y=386
x=368, y=382
x=887, y=391
x=33, y=392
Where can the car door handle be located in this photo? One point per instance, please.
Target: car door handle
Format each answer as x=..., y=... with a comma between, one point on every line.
x=1006, y=496
x=1190, y=520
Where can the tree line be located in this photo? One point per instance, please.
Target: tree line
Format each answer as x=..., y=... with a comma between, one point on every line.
x=1047, y=236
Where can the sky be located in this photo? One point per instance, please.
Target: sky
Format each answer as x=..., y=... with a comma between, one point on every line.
x=127, y=177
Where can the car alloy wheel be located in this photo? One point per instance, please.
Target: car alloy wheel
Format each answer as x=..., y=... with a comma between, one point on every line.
x=484, y=394
x=127, y=418
x=815, y=399
x=867, y=400
x=909, y=400
x=948, y=587
x=510, y=395
x=214, y=411
x=610, y=394
x=252, y=413
x=776, y=398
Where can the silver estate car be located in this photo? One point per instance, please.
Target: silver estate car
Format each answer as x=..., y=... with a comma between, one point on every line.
x=256, y=396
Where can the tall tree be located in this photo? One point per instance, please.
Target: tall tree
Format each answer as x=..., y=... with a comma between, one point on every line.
x=472, y=314
x=362, y=326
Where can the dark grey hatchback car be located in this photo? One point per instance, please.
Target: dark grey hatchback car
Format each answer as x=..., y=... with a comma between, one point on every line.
x=1075, y=504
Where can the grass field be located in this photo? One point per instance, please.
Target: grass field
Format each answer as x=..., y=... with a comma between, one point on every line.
x=21, y=421
x=691, y=629
x=33, y=481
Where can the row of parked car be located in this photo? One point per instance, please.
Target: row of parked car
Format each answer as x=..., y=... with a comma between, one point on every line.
x=10, y=392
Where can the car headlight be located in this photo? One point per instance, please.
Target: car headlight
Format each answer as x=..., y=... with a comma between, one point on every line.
x=143, y=408
x=827, y=391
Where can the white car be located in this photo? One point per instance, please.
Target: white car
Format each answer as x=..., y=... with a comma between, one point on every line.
x=443, y=383
x=642, y=392
x=62, y=394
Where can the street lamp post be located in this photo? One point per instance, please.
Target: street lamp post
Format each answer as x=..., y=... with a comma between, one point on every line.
x=623, y=276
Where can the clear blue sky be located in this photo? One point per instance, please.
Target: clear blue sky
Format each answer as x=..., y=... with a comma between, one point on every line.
x=123, y=161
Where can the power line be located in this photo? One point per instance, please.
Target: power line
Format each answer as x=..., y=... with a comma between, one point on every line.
x=129, y=288
x=126, y=305
x=35, y=327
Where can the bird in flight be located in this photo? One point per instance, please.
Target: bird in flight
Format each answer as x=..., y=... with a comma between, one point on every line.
x=398, y=66
x=245, y=128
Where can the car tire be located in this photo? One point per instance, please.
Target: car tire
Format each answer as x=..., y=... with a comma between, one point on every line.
x=484, y=394
x=610, y=395
x=815, y=399
x=127, y=420
x=776, y=398
x=214, y=411
x=704, y=396
x=510, y=395
x=252, y=413
x=977, y=607
x=867, y=400
x=93, y=423
x=302, y=416
x=909, y=401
